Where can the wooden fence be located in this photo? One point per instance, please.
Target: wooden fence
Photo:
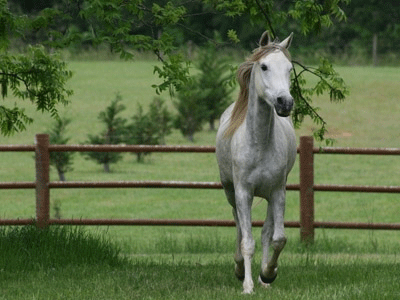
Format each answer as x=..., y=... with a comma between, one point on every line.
x=306, y=187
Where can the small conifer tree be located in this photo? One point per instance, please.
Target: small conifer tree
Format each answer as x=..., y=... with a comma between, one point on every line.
x=113, y=134
x=62, y=161
x=214, y=80
x=149, y=128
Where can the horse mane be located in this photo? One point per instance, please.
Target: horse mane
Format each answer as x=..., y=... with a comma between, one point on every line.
x=243, y=76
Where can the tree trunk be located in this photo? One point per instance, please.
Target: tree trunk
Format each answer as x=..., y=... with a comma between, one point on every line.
x=190, y=136
x=107, y=167
x=61, y=175
x=375, y=50
x=212, y=124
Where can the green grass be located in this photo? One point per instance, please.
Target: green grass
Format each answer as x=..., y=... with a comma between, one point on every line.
x=196, y=263
x=75, y=264
x=28, y=248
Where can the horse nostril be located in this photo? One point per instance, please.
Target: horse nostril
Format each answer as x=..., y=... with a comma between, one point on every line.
x=280, y=100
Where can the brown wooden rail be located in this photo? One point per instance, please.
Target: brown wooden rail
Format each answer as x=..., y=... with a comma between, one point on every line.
x=307, y=188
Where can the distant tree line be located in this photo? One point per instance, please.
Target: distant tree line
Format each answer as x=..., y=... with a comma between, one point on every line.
x=372, y=28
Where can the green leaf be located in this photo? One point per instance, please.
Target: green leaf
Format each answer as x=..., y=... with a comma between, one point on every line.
x=232, y=35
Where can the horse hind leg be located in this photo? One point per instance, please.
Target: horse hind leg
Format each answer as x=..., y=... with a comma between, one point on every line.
x=239, y=267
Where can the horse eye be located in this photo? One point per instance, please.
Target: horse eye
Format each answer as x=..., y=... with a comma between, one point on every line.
x=264, y=67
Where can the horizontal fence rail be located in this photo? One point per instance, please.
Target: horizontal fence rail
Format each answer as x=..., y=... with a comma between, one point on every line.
x=306, y=151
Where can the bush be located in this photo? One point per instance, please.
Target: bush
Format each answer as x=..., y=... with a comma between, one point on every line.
x=62, y=161
x=113, y=134
x=208, y=94
x=192, y=110
x=214, y=82
x=149, y=128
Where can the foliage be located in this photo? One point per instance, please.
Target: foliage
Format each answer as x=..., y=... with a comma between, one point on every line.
x=214, y=82
x=313, y=16
x=62, y=161
x=108, y=23
x=192, y=110
x=160, y=115
x=113, y=134
x=329, y=80
x=149, y=128
x=36, y=75
x=165, y=26
x=162, y=20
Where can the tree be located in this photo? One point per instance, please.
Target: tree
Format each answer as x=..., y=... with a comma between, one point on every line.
x=37, y=76
x=192, y=110
x=152, y=26
x=62, y=161
x=161, y=119
x=370, y=18
x=149, y=128
x=146, y=25
x=213, y=82
x=113, y=134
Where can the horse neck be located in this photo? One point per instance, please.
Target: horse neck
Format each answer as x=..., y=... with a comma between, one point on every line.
x=259, y=119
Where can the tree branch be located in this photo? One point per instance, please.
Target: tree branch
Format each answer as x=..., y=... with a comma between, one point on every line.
x=264, y=12
x=313, y=111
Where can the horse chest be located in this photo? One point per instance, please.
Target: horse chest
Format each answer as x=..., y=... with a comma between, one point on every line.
x=263, y=171
x=268, y=172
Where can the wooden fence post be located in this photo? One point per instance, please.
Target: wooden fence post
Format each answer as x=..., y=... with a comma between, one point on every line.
x=42, y=180
x=306, y=189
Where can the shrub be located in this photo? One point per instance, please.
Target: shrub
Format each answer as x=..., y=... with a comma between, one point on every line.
x=149, y=128
x=214, y=82
x=113, y=134
x=192, y=110
x=62, y=161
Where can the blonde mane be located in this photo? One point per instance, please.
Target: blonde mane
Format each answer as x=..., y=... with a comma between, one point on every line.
x=243, y=76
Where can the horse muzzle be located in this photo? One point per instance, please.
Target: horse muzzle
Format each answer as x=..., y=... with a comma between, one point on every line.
x=284, y=105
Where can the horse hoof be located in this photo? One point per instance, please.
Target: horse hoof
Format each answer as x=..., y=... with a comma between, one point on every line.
x=247, y=292
x=264, y=285
x=267, y=280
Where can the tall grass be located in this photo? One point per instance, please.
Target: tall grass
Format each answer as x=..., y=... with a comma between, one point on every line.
x=28, y=248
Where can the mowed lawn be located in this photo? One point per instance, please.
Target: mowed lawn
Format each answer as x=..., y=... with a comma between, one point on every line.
x=369, y=117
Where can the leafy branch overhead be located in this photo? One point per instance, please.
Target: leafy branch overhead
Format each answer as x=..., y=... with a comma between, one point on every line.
x=140, y=25
x=162, y=21
x=37, y=77
x=328, y=81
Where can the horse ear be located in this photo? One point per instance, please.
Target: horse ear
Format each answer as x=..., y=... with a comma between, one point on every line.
x=265, y=39
x=286, y=42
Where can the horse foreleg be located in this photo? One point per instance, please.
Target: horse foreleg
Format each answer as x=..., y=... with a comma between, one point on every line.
x=247, y=245
x=273, y=235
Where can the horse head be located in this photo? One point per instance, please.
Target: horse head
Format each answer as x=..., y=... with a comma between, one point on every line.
x=272, y=74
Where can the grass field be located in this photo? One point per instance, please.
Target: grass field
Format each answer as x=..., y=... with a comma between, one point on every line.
x=196, y=263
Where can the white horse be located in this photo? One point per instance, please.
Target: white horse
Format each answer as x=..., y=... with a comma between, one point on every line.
x=256, y=149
